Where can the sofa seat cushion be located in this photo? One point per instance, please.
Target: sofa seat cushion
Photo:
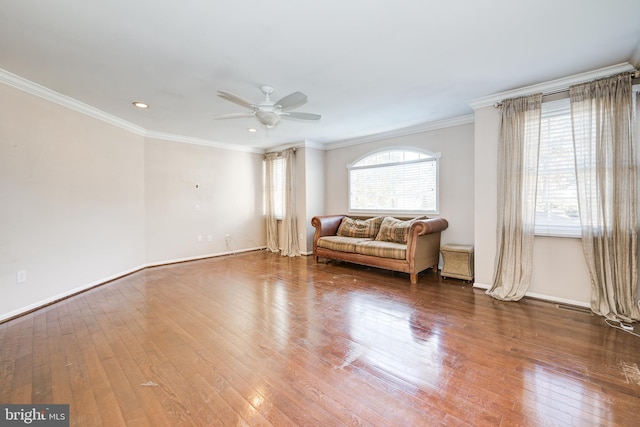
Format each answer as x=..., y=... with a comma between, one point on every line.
x=382, y=249
x=341, y=243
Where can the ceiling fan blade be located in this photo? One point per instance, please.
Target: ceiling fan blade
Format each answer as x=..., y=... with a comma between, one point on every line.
x=301, y=116
x=233, y=116
x=236, y=99
x=292, y=101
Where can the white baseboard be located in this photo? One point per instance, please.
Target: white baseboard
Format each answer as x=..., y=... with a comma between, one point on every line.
x=71, y=292
x=198, y=257
x=79, y=289
x=548, y=298
x=559, y=300
x=481, y=285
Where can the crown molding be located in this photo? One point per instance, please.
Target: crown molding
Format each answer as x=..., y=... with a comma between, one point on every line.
x=302, y=144
x=313, y=144
x=199, y=141
x=552, y=86
x=40, y=91
x=282, y=147
x=411, y=130
x=66, y=101
x=635, y=58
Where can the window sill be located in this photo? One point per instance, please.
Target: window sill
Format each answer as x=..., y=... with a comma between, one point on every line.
x=559, y=235
x=392, y=213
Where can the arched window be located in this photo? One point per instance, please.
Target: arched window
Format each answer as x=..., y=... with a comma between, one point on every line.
x=398, y=180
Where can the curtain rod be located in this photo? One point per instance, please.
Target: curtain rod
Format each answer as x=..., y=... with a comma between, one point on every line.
x=279, y=153
x=635, y=79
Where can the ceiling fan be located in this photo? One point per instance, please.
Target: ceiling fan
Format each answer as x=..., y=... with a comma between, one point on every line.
x=267, y=111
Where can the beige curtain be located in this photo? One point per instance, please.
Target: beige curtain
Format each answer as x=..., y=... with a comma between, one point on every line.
x=290, y=245
x=271, y=187
x=602, y=115
x=517, y=181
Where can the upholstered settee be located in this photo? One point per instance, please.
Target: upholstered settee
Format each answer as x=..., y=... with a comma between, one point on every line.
x=405, y=245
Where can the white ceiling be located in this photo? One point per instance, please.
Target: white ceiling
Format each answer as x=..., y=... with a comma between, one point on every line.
x=367, y=66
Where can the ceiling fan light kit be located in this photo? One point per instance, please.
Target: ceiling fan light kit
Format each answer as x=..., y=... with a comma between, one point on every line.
x=268, y=112
x=268, y=118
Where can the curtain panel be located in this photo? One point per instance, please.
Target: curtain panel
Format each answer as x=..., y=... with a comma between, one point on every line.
x=606, y=173
x=517, y=181
x=270, y=200
x=290, y=244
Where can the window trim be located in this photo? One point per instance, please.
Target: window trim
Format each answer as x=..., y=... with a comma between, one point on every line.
x=434, y=157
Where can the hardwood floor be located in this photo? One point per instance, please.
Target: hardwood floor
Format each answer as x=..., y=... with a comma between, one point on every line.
x=259, y=339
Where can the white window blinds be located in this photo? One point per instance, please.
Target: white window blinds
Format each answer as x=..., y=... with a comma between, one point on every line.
x=394, y=181
x=556, y=199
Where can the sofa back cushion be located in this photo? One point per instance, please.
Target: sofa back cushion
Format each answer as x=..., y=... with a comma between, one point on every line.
x=395, y=230
x=350, y=227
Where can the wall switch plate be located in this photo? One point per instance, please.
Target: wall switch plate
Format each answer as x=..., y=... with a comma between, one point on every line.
x=199, y=238
x=209, y=237
x=21, y=276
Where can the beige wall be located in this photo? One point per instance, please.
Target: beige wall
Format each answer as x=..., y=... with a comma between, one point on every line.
x=228, y=200
x=71, y=197
x=485, y=194
x=314, y=194
x=83, y=201
x=456, y=175
x=559, y=270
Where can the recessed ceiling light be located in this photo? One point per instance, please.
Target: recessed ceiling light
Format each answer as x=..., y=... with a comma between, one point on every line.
x=140, y=105
x=252, y=130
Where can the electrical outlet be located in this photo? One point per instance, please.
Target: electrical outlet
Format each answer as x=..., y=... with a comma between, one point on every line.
x=209, y=237
x=199, y=238
x=21, y=276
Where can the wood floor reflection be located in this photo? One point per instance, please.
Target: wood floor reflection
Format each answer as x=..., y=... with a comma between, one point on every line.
x=259, y=339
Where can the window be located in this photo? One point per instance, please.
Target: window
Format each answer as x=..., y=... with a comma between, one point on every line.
x=394, y=181
x=556, y=199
